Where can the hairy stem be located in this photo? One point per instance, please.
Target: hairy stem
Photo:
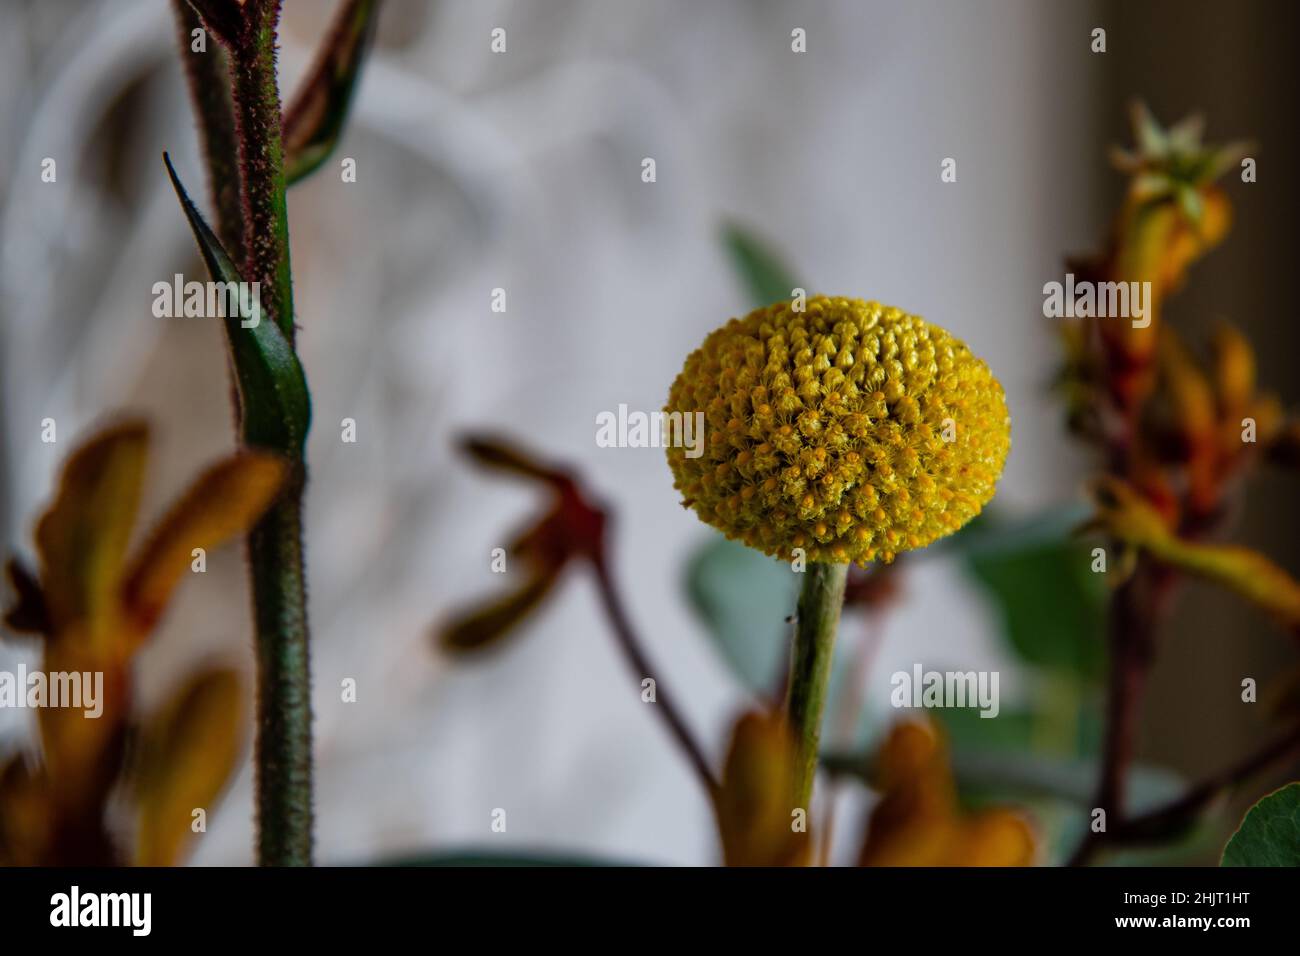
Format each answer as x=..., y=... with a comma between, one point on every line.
x=208, y=79
x=240, y=127
x=283, y=751
x=261, y=160
x=820, y=604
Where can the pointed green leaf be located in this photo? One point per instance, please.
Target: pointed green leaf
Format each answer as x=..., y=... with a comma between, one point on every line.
x=314, y=122
x=767, y=279
x=1270, y=833
x=274, y=402
x=1041, y=584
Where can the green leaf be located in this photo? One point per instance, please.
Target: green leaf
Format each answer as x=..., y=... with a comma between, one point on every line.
x=1006, y=774
x=315, y=119
x=744, y=597
x=1270, y=833
x=992, y=531
x=1011, y=730
x=1051, y=603
x=766, y=277
x=274, y=402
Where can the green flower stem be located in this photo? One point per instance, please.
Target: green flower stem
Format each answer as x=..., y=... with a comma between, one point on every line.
x=283, y=750
x=243, y=149
x=820, y=604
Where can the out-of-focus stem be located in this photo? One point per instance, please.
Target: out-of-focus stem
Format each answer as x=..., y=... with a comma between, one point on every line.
x=640, y=664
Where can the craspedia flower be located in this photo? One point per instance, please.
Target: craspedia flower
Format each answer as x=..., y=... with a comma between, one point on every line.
x=851, y=430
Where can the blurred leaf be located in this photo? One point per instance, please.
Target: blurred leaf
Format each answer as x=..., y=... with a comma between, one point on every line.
x=1270, y=833
x=83, y=537
x=275, y=407
x=225, y=501
x=995, y=759
x=754, y=806
x=315, y=119
x=1009, y=774
x=992, y=531
x=572, y=528
x=766, y=277
x=502, y=454
x=1051, y=603
x=487, y=623
x=1124, y=513
x=967, y=730
x=744, y=597
x=190, y=749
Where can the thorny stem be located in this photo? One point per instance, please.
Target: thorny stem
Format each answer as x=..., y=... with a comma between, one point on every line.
x=640, y=664
x=820, y=603
x=283, y=748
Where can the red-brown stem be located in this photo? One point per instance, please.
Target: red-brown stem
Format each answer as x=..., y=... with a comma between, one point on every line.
x=640, y=665
x=261, y=161
x=1134, y=615
x=1154, y=824
x=1132, y=648
x=208, y=79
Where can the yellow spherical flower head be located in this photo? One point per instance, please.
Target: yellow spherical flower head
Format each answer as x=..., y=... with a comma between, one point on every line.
x=850, y=429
